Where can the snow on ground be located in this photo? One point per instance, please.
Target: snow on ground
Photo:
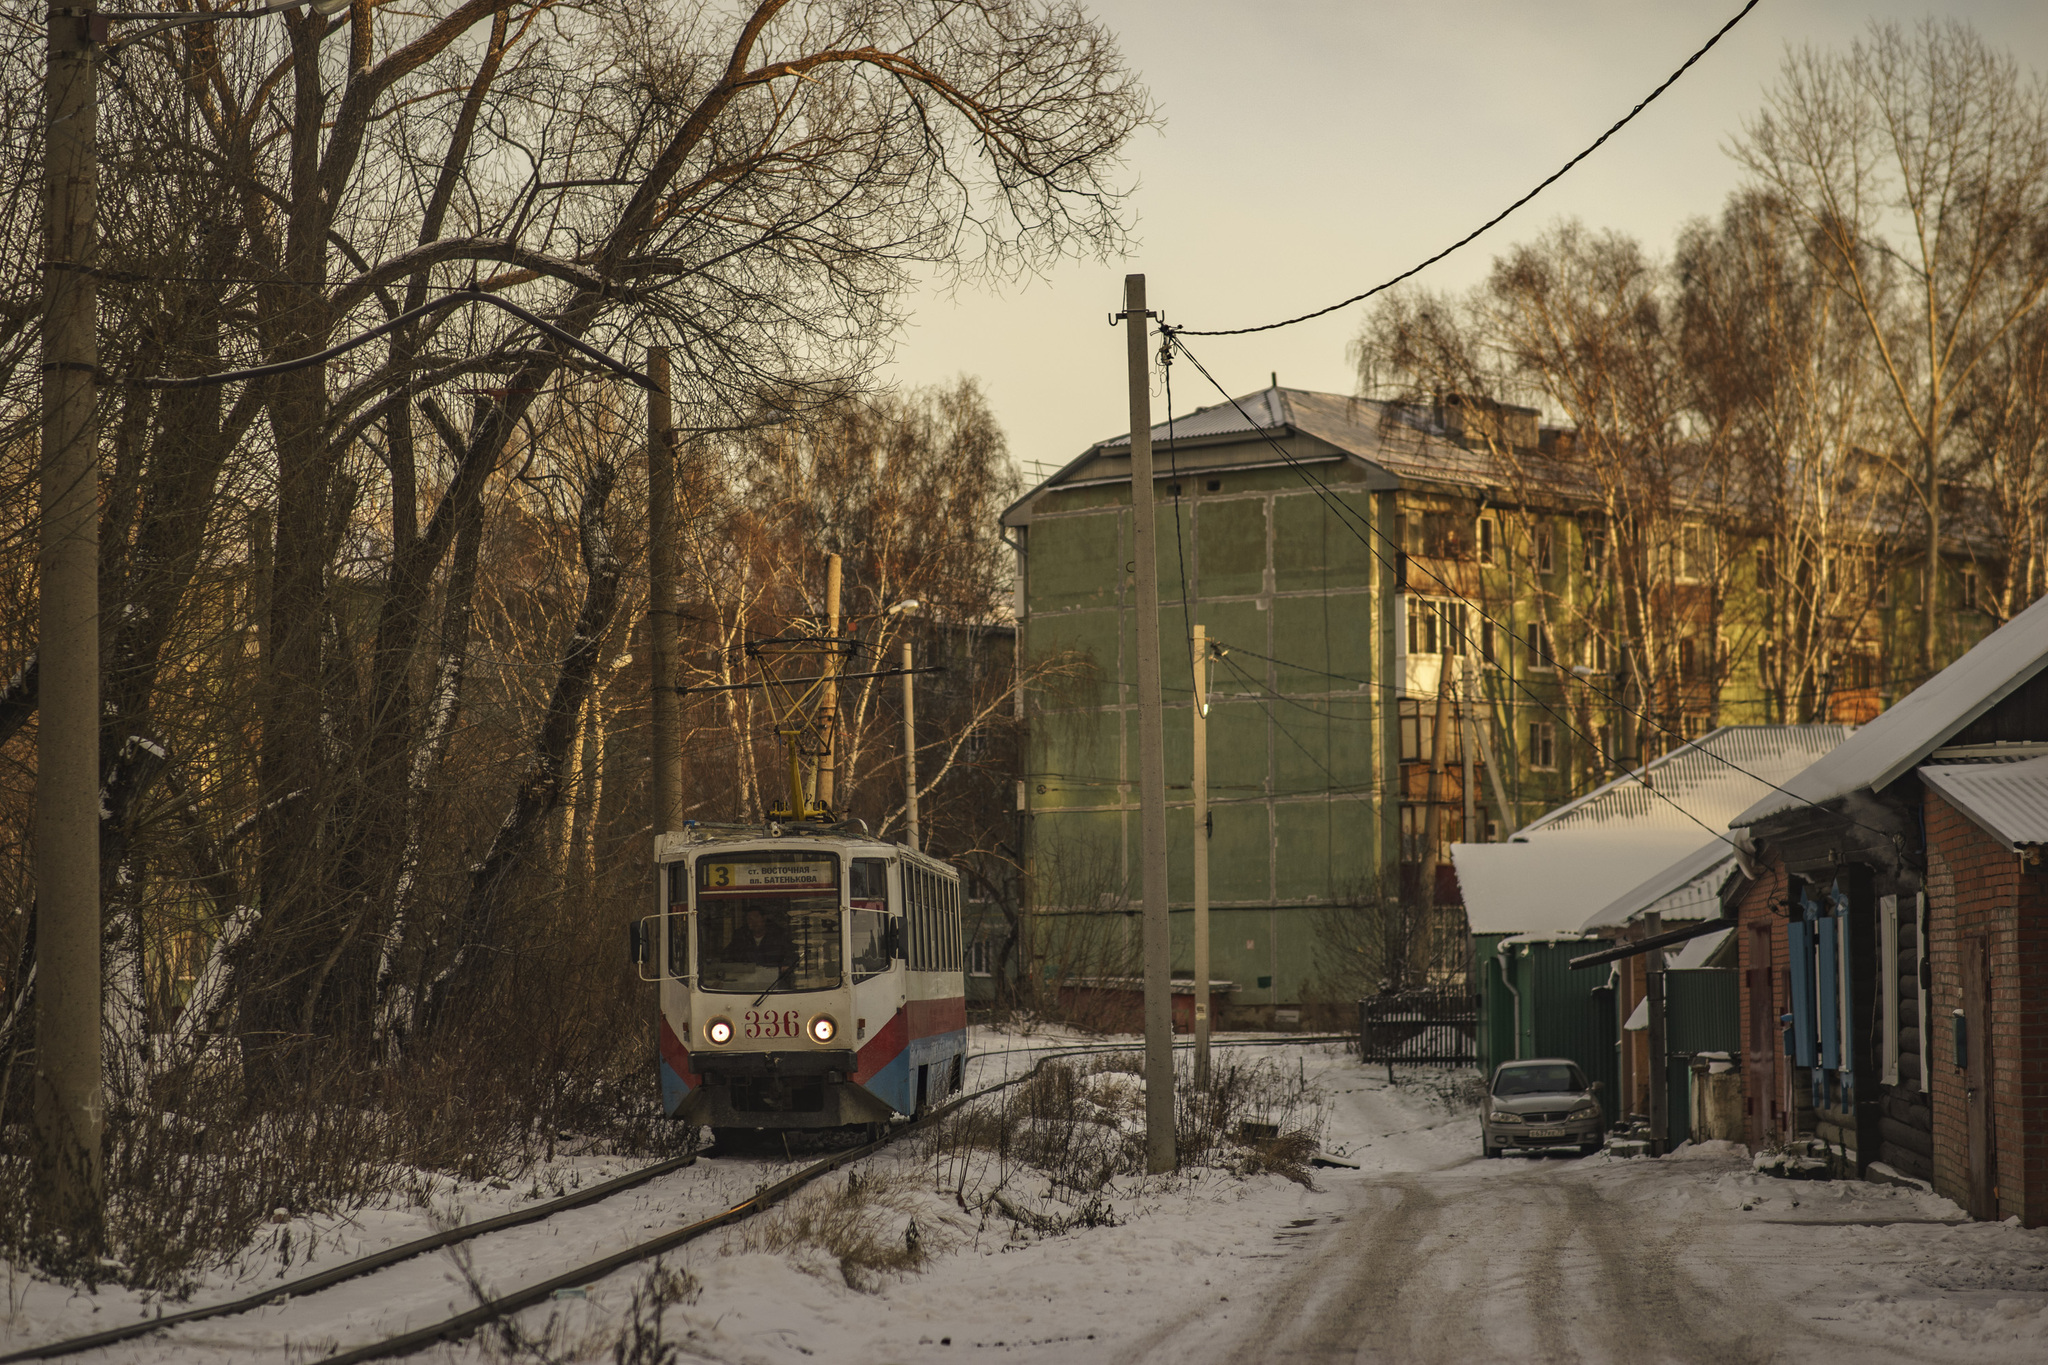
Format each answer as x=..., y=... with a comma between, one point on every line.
x=1213, y=1266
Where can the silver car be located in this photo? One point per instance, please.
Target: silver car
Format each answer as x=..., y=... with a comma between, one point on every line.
x=1541, y=1104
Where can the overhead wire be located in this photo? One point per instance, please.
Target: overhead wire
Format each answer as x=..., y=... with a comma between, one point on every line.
x=1495, y=221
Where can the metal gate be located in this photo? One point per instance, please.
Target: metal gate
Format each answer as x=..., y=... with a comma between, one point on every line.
x=1421, y=1028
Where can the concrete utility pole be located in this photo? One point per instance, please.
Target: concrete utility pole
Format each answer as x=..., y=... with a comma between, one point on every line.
x=1201, y=845
x=1467, y=784
x=1653, y=990
x=661, y=595
x=1159, y=1139
x=909, y=753
x=68, y=1097
x=1433, y=811
x=828, y=704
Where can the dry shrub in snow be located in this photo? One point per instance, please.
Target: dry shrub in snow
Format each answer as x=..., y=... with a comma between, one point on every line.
x=1046, y=1153
x=865, y=1226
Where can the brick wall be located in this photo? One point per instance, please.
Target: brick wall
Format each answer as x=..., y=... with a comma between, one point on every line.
x=1976, y=888
x=1763, y=1068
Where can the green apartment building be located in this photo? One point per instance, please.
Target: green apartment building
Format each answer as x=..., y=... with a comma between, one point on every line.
x=1347, y=556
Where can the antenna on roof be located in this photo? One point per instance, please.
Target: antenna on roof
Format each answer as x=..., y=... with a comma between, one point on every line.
x=1275, y=376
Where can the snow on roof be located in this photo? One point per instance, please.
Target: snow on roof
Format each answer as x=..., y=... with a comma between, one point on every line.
x=1694, y=952
x=1698, y=786
x=1634, y=832
x=2008, y=799
x=1899, y=739
x=1547, y=885
x=1688, y=889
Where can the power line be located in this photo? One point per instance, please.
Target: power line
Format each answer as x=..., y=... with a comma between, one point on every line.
x=1345, y=516
x=1494, y=221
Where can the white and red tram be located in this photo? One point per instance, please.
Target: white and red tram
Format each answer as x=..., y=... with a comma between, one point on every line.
x=808, y=978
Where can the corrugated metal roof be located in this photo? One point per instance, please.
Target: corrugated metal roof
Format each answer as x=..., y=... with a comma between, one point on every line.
x=1590, y=853
x=2008, y=799
x=1390, y=436
x=1704, y=782
x=1900, y=739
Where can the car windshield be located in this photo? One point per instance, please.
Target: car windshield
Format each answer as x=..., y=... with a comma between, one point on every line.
x=768, y=922
x=1557, y=1079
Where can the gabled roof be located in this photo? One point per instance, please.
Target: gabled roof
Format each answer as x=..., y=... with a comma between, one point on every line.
x=1393, y=440
x=2010, y=800
x=1903, y=737
x=1653, y=830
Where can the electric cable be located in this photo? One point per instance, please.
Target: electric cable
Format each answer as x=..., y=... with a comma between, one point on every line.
x=1494, y=221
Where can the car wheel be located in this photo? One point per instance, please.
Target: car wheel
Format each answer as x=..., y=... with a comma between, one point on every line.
x=1493, y=1153
x=1589, y=1148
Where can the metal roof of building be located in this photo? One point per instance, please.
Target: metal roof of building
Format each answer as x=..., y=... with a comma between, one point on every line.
x=2008, y=799
x=1904, y=736
x=1651, y=832
x=1697, y=787
x=1397, y=439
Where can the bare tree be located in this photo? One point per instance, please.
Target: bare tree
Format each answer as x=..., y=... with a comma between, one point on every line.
x=1919, y=164
x=1782, y=367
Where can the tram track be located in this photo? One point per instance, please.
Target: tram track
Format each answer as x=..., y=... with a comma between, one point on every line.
x=491, y=1309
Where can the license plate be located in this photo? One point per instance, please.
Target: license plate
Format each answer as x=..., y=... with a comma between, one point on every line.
x=1546, y=1132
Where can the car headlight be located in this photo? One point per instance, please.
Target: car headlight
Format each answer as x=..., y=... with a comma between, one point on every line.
x=1587, y=1110
x=1503, y=1116
x=824, y=1028
x=719, y=1031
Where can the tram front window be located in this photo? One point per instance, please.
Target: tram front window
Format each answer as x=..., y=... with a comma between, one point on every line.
x=768, y=922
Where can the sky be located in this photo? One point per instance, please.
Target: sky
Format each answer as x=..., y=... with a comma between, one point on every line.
x=1311, y=148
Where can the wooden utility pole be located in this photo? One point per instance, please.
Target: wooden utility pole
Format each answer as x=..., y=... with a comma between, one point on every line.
x=1653, y=990
x=828, y=706
x=909, y=752
x=1201, y=846
x=1158, y=955
x=67, y=1087
x=661, y=595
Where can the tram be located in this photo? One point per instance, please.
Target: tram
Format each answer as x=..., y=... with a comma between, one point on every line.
x=810, y=978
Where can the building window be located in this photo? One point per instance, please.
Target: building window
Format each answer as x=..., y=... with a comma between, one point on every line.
x=1540, y=653
x=1968, y=593
x=1695, y=553
x=1604, y=736
x=1486, y=540
x=1436, y=625
x=1443, y=535
x=1596, y=553
x=1597, y=654
x=1688, y=659
x=1541, y=550
x=1486, y=641
x=979, y=959
x=1542, y=745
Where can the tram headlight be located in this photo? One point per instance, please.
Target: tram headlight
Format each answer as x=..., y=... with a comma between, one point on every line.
x=719, y=1031
x=824, y=1029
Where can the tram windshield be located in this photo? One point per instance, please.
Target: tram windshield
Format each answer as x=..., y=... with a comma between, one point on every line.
x=768, y=922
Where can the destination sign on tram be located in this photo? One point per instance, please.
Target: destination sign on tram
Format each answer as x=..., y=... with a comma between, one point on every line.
x=811, y=874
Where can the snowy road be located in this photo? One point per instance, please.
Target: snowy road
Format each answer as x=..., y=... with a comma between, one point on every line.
x=1424, y=1253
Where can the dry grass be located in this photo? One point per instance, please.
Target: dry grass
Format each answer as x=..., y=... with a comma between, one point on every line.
x=557, y=1050
x=864, y=1226
x=1047, y=1153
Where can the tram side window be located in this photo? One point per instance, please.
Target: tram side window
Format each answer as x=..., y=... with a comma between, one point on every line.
x=920, y=922
x=868, y=901
x=678, y=920
x=925, y=918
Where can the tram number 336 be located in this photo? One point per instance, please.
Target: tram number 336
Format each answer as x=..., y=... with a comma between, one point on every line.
x=772, y=1023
